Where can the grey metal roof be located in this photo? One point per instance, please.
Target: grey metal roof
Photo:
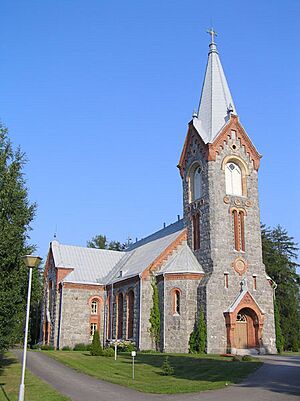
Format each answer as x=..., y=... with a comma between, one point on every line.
x=143, y=253
x=89, y=264
x=215, y=101
x=182, y=261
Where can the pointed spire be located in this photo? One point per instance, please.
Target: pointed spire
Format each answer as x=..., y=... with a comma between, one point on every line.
x=216, y=102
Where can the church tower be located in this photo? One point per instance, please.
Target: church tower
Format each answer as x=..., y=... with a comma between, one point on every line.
x=219, y=169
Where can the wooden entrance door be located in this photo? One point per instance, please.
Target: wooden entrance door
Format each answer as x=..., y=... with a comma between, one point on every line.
x=241, y=335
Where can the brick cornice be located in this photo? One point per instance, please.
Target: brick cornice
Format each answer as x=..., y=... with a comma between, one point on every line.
x=217, y=146
x=183, y=276
x=165, y=254
x=192, y=132
x=82, y=286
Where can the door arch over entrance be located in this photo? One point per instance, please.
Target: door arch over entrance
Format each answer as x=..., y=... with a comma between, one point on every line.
x=244, y=324
x=246, y=329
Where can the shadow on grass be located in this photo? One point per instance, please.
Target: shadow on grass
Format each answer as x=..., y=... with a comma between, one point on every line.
x=4, y=363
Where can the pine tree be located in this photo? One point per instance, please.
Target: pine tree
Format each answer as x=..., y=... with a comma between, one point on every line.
x=16, y=214
x=96, y=348
x=279, y=255
x=197, y=343
x=155, y=317
x=278, y=332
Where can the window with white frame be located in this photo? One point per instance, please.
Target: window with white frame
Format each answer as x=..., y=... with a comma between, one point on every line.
x=233, y=179
x=94, y=307
x=93, y=328
x=195, y=183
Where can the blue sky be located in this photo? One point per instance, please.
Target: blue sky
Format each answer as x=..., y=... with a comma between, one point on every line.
x=99, y=93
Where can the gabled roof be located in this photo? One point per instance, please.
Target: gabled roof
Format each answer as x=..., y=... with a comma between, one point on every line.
x=142, y=254
x=182, y=261
x=89, y=264
x=216, y=103
x=239, y=299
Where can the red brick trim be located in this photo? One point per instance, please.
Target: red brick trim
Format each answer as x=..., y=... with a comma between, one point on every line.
x=164, y=255
x=233, y=124
x=61, y=273
x=183, y=276
x=81, y=286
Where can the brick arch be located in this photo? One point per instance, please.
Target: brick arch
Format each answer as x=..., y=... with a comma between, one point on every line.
x=247, y=304
x=95, y=298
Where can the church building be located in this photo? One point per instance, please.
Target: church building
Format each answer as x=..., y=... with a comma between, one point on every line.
x=211, y=259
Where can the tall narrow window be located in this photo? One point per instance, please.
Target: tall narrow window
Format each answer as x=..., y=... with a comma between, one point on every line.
x=93, y=328
x=120, y=316
x=225, y=280
x=239, y=229
x=177, y=302
x=130, y=314
x=233, y=179
x=109, y=318
x=94, y=307
x=254, y=282
x=196, y=231
x=195, y=183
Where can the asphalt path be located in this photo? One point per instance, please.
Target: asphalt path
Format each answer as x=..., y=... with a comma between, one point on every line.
x=278, y=379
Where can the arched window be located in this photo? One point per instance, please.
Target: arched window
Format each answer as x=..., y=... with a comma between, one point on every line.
x=239, y=229
x=120, y=316
x=109, y=317
x=176, y=302
x=94, y=307
x=195, y=183
x=233, y=179
x=130, y=313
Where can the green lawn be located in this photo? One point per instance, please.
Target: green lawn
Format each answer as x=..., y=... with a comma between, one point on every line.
x=35, y=389
x=191, y=373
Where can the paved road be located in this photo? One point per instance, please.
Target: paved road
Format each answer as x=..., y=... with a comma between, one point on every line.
x=277, y=380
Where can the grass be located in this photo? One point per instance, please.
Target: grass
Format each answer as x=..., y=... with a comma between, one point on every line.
x=35, y=389
x=191, y=373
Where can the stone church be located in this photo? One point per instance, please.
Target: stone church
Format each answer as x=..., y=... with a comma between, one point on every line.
x=210, y=259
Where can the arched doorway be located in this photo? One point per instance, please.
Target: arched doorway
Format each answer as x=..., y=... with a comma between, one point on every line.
x=246, y=329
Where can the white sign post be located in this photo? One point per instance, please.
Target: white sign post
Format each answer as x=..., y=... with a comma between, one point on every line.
x=133, y=354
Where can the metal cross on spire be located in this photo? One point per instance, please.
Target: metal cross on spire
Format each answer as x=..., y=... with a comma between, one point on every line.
x=212, y=34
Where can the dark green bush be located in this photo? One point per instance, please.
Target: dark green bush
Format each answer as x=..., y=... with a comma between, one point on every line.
x=247, y=358
x=36, y=346
x=96, y=349
x=66, y=348
x=80, y=347
x=47, y=347
x=167, y=369
x=109, y=352
x=236, y=358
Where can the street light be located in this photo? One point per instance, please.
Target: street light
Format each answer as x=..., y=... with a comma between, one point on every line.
x=31, y=262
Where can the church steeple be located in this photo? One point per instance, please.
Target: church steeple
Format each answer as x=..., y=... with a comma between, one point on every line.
x=216, y=102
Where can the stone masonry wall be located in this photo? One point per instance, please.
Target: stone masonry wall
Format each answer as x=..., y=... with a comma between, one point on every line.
x=217, y=253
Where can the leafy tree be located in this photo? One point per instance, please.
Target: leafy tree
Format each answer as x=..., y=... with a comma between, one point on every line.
x=96, y=348
x=197, y=343
x=101, y=242
x=16, y=214
x=279, y=255
x=155, y=316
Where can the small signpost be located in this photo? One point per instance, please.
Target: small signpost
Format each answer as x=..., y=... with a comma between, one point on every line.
x=116, y=348
x=133, y=354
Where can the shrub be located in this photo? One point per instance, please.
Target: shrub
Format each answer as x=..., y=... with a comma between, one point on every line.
x=247, y=358
x=80, y=347
x=167, y=369
x=108, y=352
x=197, y=342
x=46, y=347
x=66, y=348
x=237, y=358
x=155, y=317
x=124, y=346
x=36, y=346
x=96, y=349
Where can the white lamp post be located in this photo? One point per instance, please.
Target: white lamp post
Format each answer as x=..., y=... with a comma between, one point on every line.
x=31, y=262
